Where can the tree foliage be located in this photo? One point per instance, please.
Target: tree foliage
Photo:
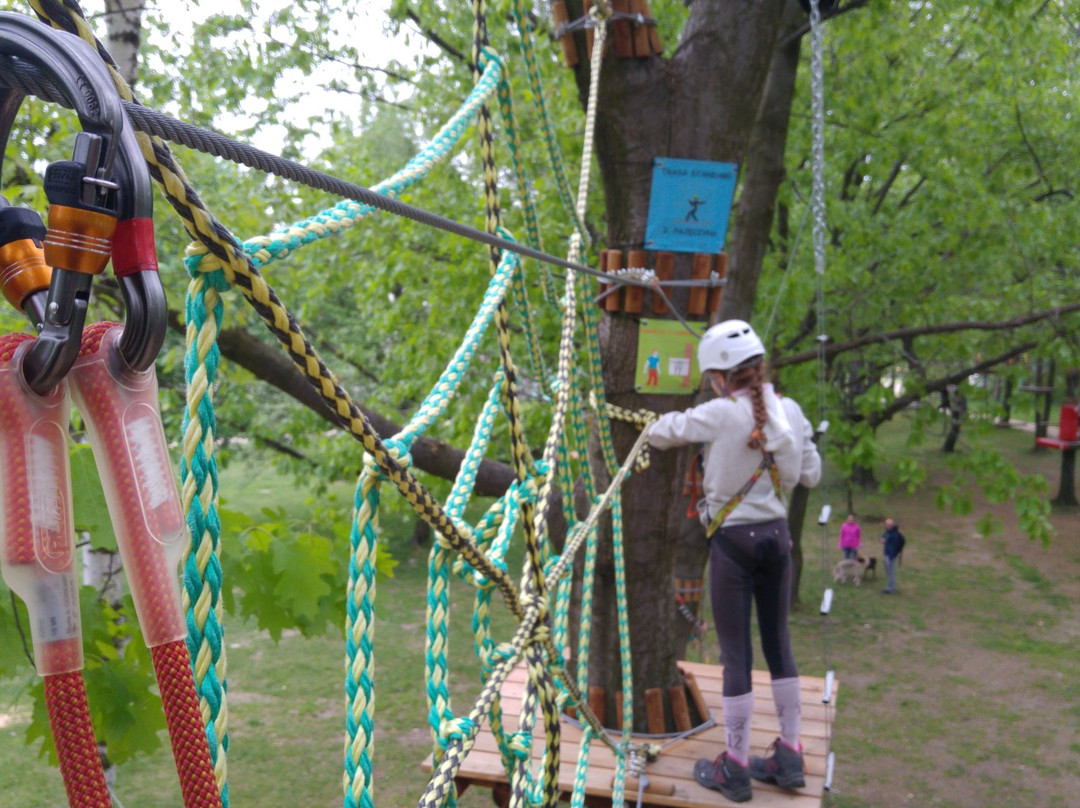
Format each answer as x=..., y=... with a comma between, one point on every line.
x=951, y=173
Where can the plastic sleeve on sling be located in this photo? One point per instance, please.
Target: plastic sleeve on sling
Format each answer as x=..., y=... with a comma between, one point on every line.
x=122, y=418
x=133, y=248
x=37, y=546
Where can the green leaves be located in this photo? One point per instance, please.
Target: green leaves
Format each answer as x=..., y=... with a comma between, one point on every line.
x=288, y=573
x=88, y=499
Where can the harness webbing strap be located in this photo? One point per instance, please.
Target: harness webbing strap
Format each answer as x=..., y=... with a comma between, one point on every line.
x=768, y=463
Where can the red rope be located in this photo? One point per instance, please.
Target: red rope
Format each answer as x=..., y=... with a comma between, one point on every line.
x=190, y=750
x=46, y=554
x=148, y=519
x=80, y=763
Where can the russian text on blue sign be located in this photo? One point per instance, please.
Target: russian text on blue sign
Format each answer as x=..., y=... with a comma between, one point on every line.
x=689, y=205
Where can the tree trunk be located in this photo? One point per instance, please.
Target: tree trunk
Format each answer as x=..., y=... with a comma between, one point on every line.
x=700, y=104
x=123, y=21
x=764, y=173
x=957, y=410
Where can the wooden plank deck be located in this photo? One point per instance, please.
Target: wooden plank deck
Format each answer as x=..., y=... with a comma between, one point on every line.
x=671, y=775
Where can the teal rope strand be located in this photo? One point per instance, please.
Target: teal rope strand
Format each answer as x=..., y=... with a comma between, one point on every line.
x=359, y=643
x=205, y=523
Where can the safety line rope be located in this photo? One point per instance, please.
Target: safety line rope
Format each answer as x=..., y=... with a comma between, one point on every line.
x=817, y=96
x=27, y=78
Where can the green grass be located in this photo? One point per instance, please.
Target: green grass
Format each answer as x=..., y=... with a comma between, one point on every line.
x=947, y=691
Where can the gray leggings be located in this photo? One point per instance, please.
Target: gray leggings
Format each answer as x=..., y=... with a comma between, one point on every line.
x=752, y=561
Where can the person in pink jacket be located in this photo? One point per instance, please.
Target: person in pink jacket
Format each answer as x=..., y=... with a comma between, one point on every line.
x=850, y=537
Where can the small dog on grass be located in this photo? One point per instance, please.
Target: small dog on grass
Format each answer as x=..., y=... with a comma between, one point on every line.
x=853, y=570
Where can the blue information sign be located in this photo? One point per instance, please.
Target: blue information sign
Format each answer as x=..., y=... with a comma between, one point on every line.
x=689, y=205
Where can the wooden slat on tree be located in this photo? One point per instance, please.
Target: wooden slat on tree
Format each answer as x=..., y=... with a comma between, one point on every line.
x=665, y=271
x=612, y=264
x=598, y=703
x=560, y=16
x=655, y=719
x=695, y=696
x=642, y=41
x=690, y=588
x=621, y=30
x=654, y=37
x=634, y=295
x=589, y=35
x=699, y=295
x=601, y=286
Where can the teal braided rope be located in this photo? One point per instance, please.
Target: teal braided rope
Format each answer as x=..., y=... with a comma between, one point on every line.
x=563, y=389
x=588, y=582
x=264, y=250
x=528, y=51
x=436, y=402
x=486, y=648
x=532, y=340
x=202, y=575
x=513, y=144
x=440, y=714
x=462, y=489
x=581, y=770
x=580, y=431
x=622, y=615
x=462, y=737
x=524, y=187
x=360, y=643
x=521, y=783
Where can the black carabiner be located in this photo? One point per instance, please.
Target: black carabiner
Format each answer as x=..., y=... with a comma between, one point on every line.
x=134, y=256
x=92, y=217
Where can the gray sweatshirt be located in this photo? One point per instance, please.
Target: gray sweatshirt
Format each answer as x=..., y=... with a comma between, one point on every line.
x=724, y=426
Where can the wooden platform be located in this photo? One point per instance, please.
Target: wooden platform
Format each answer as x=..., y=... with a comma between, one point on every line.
x=673, y=771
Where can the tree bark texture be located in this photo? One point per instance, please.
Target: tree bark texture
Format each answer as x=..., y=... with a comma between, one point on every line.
x=763, y=173
x=699, y=104
x=123, y=22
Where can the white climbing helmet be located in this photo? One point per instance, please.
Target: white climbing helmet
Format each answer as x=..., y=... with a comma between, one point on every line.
x=728, y=345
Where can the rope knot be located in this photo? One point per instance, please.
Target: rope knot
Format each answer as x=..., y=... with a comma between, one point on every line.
x=396, y=449
x=488, y=55
x=399, y=450
x=526, y=493
x=520, y=744
x=601, y=12
x=201, y=264
x=455, y=730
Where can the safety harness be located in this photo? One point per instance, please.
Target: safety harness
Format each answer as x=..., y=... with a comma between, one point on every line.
x=768, y=463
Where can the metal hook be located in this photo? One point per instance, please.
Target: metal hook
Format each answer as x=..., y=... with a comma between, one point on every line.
x=93, y=215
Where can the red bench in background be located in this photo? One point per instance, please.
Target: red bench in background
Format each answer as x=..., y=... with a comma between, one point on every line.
x=1066, y=442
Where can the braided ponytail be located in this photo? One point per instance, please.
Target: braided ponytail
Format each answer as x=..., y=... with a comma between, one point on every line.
x=753, y=378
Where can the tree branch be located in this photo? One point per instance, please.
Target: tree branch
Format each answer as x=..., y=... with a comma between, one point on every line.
x=888, y=184
x=268, y=364
x=804, y=29
x=903, y=402
x=433, y=37
x=837, y=348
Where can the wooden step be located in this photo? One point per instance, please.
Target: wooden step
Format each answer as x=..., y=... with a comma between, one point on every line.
x=672, y=773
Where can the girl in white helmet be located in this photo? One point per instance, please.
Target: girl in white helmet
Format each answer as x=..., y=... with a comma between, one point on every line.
x=758, y=446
